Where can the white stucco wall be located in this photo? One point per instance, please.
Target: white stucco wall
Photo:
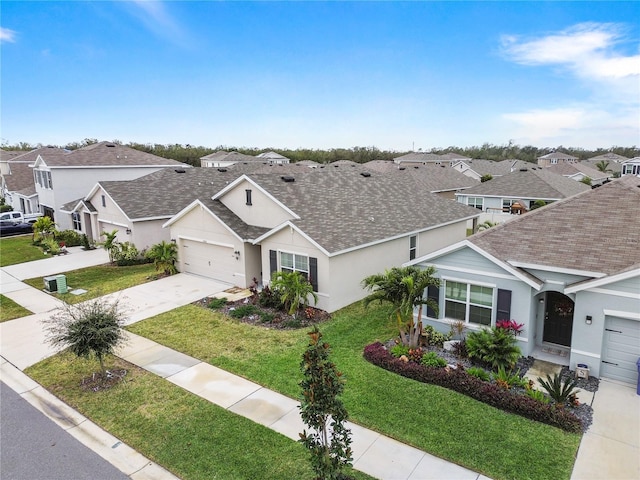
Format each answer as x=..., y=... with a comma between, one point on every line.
x=263, y=211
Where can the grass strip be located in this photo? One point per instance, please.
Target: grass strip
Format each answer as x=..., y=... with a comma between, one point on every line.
x=101, y=280
x=184, y=433
x=10, y=309
x=442, y=422
x=18, y=249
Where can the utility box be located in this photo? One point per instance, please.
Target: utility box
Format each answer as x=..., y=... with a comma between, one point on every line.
x=582, y=371
x=50, y=284
x=61, y=281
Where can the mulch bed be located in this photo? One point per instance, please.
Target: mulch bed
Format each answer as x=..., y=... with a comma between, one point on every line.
x=266, y=317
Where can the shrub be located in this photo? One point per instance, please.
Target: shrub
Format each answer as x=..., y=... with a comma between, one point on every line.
x=507, y=379
x=537, y=395
x=126, y=253
x=71, y=238
x=267, y=298
x=562, y=392
x=244, y=311
x=431, y=359
x=49, y=245
x=493, y=346
x=480, y=373
x=510, y=326
x=86, y=245
x=434, y=337
x=293, y=290
x=217, y=303
x=164, y=256
x=266, y=317
x=399, y=350
x=460, y=349
x=460, y=381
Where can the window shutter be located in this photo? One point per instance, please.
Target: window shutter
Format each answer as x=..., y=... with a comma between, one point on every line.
x=313, y=273
x=504, y=305
x=273, y=262
x=433, y=293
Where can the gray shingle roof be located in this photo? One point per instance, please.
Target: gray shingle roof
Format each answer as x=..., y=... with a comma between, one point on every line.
x=341, y=209
x=559, y=156
x=106, y=154
x=613, y=166
x=223, y=156
x=430, y=177
x=533, y=183
x=20, y=178
x=573, y=168
x=489, y=167
x=591, y=231
x=608, y=157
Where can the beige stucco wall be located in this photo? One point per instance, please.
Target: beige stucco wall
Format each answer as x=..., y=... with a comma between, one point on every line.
x=263, y=211
x=146, y=233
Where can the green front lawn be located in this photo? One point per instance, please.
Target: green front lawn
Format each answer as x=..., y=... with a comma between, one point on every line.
x=186, y=434
x=18, y=249
x=439, y=421
x=10, y=309
x=101, y=280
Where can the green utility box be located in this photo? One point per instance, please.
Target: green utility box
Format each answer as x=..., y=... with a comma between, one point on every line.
x=61, y=280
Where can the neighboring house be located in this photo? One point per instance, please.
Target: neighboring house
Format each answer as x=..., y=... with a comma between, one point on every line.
x=517, y=192
x=63, y=178
x=631, y=167
x=438, y=179
x=612, y=167
x=556, y=158
x=273, y=158
x=18, y=186
x=334, y=225
x=570, y=272
x=477, y=169
x=425, y=157
x=580, y=171
x=226, y=159
x=608, y=157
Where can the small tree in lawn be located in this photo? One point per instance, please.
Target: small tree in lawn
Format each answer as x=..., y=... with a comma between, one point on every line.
x=90, y=328
x=43, y=228
x=323, y=412
x=110, y=242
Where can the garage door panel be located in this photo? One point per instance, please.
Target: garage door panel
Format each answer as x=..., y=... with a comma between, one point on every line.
x=621, y=349
x=212, y=261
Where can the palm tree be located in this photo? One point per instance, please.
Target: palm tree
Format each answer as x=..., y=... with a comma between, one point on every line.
x=164, y=256
x=110, y=242
x=404, y=288
x=294, y=290
x=43, y=228
x=603, y=166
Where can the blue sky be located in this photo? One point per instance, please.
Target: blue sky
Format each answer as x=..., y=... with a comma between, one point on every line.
x=395, y=75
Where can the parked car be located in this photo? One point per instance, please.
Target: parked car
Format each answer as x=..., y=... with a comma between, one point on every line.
x=19, y=217
x=15, y=228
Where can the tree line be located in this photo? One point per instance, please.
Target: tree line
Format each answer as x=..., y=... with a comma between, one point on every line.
x=191, y=154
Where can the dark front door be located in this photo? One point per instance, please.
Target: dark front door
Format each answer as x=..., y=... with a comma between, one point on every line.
x=558, y=319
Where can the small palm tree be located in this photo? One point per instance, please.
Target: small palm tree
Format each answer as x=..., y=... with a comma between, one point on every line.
x=110, y=242
x=603, y=166
x=43, y=228
x=404, y=288
x=164, y=256
x=294, y=291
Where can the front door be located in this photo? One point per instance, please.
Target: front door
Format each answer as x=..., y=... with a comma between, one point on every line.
x=558, y=319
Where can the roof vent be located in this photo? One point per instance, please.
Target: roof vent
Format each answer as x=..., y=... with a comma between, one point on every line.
x=365, y=174
x=336, y=166
x=523, y=169
x=110, y=145
x=180, y=170
x=442, y=166
x=288, y=179
x=402, y=168
x=222, y=169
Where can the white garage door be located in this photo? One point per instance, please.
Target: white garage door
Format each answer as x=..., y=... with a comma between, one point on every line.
x=212, y=261
x=621, y=349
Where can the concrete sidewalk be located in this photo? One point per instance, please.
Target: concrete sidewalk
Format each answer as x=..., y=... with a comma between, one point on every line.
x=373, y=453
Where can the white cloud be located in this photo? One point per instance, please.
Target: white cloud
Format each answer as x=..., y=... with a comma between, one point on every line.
x=591, y=55
x=154, y=15
x=7, y=35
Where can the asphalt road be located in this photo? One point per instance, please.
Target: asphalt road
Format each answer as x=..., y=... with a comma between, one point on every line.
x=32, y=447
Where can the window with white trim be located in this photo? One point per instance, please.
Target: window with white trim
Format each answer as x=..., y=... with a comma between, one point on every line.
x=506, y=204
x=291, y=262
x=468, y=302
x=413, y=246
x=477, y=202
x=77, y=224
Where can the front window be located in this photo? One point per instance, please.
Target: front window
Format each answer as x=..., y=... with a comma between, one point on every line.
x=506, y=204
x=469, y=303
x=291, y=262
x=248, y=196
x=77, y=224
x=413, y=246
x=477, y=202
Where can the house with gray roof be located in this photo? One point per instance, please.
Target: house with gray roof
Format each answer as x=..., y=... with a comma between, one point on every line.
x=608, y=157
x=631, y=167
x=426, y=157
x=61, y=178
x=333, y=225
x=517, y=192
x=580, y=171
x=555, y=158
x=478, y=168
x=570, y=272
x=273, y=158
x=221, y=159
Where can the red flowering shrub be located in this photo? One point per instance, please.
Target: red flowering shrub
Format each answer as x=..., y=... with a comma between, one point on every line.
x=460, y=381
